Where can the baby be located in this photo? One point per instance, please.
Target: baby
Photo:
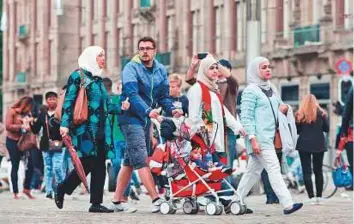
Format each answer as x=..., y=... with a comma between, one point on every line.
x=208, y=164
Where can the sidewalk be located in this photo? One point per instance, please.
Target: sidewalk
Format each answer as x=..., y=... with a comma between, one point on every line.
x=336, y=210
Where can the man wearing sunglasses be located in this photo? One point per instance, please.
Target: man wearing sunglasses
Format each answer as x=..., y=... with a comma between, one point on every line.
x=146, y=87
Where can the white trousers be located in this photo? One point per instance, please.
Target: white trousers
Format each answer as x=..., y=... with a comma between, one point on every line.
x=266, y=160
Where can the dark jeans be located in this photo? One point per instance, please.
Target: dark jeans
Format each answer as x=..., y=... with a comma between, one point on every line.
x=38, y=169
x=266, y=184
x=15, y=157
x=317, y=162
x=97, y=167
x=349, y=149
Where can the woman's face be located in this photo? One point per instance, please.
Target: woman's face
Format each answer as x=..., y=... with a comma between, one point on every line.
x=265, y=71
x=101, y=60
x=213, y=72
x=26, y=108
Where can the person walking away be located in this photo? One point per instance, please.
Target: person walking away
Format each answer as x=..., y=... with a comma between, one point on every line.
x=311, y=122
x=93, y=138
x=50, y=143
x=16, y=124
x=258, y=101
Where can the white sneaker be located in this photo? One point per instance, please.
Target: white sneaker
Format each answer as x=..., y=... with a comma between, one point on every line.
x=122, y=207
x=156, y=205
x=311, y=201
x=320, y=201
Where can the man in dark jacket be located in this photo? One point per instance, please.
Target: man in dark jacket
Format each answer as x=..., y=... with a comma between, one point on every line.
x=52, y=153
x=145, y=84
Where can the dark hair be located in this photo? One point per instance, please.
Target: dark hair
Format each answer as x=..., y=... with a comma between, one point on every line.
x=147, y=39
x=107, y=82
x=51, y=94
x=26, y=100
x=225, y=63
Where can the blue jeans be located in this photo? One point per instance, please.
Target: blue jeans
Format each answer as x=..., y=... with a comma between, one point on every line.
x=67, y=164
x=119, y=147
x=53, y=163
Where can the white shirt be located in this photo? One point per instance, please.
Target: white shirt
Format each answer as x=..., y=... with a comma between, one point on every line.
x=195, y=115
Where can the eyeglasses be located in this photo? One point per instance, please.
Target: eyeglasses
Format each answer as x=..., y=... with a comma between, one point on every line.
x=146, y=48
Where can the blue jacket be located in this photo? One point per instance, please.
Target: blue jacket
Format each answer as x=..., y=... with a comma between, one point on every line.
x=145, y=90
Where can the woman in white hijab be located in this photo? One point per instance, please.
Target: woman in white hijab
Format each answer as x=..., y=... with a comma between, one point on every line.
x=259, y=100
x=206, y=108
x=92, y=139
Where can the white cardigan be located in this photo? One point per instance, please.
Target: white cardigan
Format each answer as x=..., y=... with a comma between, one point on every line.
x=195, y=115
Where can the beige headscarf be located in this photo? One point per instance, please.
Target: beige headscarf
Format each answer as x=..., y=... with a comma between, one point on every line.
x=88, y=62
x=203, y=70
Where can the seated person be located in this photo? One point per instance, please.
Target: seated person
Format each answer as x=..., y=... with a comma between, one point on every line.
x=208, y=164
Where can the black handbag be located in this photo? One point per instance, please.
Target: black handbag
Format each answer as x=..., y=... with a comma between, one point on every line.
x=54, y=145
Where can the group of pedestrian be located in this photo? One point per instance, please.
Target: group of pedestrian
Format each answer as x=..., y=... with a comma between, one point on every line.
x=118, y=126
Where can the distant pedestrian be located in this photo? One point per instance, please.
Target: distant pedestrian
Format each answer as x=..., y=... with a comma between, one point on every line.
x=311, y=122
x=17, y=122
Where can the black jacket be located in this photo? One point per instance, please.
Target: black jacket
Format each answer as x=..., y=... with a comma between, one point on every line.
x=311, y=137
x=53, y=126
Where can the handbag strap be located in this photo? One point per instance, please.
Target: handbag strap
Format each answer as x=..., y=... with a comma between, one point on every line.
x=271, y=105
x=46, y=124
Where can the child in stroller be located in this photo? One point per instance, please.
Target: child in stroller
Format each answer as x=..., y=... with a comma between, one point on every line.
x=189, y=174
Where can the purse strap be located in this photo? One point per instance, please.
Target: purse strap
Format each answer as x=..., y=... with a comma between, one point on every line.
x=46, y=124
x=271, y=105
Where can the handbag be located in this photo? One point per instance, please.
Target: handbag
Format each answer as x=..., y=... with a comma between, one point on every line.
x=80, y=113
x=27, y=141
x=53, y=145
x=277, y=139
x=341, y=174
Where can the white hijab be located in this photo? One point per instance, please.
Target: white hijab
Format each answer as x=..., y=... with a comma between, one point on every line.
x=88, y=61
x=203, y=70
x=253, y=76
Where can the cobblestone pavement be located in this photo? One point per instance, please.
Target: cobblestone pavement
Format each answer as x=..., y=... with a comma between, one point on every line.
x=337, y=210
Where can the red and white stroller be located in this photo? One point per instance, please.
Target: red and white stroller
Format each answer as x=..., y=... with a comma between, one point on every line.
x=187, y=181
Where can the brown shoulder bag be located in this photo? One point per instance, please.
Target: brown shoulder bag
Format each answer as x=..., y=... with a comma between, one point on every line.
x=80, y=112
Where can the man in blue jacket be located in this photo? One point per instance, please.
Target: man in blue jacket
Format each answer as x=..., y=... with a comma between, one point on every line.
x=146, y=87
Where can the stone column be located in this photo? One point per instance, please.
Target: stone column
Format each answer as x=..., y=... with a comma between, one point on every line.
x=162, y=26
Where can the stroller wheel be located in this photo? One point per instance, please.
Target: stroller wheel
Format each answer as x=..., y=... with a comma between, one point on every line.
x=236, y=208
x=173, y=211
x=166, y=208
x=211, y=208
x=219, y=210
x=190, y=207
x=243, y=209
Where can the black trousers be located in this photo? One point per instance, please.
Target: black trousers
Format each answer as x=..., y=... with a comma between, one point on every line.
x=349, y=149
x=97, y=167
x=307, y=165
x=15, y=157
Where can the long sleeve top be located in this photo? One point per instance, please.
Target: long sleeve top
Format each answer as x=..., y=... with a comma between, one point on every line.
x=195, y=115
x=257, y=117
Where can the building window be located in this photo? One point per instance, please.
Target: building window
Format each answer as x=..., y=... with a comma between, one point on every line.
x=290, y=93
x=49, y=13
x=219, y=16
x=170, y=32
x=136, y=37
x=321, y=91
x=196, y=31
